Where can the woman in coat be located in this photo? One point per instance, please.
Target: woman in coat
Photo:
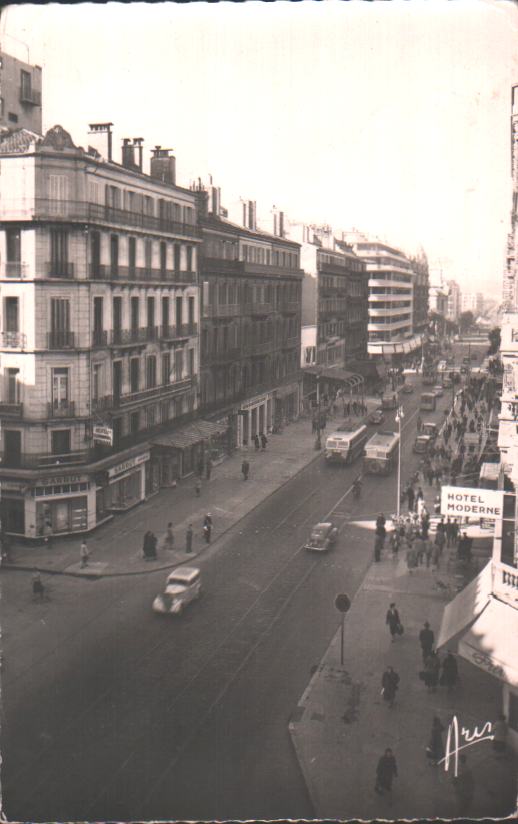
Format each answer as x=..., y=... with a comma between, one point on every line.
x=435, y=749
x=449, y=674
x=390, y=683
x=432, y=666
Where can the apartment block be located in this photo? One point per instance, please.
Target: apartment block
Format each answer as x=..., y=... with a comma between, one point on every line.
x=20, y=94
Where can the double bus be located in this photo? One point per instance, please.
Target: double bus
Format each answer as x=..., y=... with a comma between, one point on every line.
x=345, y=446
x=381, y=453
x=428, y=401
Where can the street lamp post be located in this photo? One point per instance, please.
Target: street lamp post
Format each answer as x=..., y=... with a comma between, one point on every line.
x=399, y=416
x=318, y=442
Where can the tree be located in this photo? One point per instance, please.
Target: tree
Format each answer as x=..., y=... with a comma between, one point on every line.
x=466, y=321
x=494, y=340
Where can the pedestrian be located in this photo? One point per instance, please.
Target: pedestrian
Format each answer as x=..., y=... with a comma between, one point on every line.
x=411, y=559
x=439, y=539
x=169, y=537
x=264, y=440
x=207, y=527
x=188, y=539
x=389, y=684
x=146, y=545
x=245, y=469
x=393, y=621
x=435, y=748
x=386, y=771
x=426, y=639
x=200, y=468
x=198, y=487
x=37, y=586
x=84, y=554
x=464, y=787
x=378, y=546
x=208, y=469
x=431, y=671
x=419, y=546
x=500, y=730
x=394, y=543
x=380, y=527
x=411, y=498
x=257, y=442
x=152, y=545
x=428, y=551
x=436, y=557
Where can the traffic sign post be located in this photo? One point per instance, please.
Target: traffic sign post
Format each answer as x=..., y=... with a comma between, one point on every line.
x=343, y=604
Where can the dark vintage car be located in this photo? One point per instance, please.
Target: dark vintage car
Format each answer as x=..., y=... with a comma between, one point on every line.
x=376, y=417
x=322, y=537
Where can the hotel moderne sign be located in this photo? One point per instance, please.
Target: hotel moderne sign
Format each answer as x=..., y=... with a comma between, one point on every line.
x=464, y=502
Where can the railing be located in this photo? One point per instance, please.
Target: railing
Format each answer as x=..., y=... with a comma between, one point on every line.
x=29, y=95
x=155, y=392
x=183, y=330
x=13, y=269
x=13, y=340
x=11, y=410
x=72, y=210
x=221, y=357
x=138, y=274
x=99, y=337
x=59, y=269
x=62, y=409
x=129, y=337
x=44, y=460
x=258, y=308
x=221, y=310
x=100, y=404
x=60, y=339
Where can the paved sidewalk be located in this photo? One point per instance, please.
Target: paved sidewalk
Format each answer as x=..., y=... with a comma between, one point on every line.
x=342, y=726
x=116, y=547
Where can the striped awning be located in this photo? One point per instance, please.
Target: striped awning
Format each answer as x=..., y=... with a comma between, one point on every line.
x=190, y=434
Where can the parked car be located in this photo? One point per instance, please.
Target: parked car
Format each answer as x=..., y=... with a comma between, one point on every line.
x=376, y=417
x=438, y=391
x=408, y=388
x=430, y=429
x=183, y=585
x=322, y=537
x=422, y=443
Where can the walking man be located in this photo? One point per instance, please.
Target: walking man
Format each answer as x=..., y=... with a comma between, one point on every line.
x=386, y=771
x=169, y=536
x=264, y=440
x=207, y=527
x=389, y=683
x=393, y=621
x=245, y=469
x=84, y=554
x=426, y=639
x=188, y=539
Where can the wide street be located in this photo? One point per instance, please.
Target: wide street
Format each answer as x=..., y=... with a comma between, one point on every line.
x=113, y=712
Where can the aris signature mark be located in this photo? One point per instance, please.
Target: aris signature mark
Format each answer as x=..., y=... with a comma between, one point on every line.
x=457, y=741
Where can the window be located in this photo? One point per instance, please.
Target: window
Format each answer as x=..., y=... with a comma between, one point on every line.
x=150, y=312
x=191, y=314
x=13, y=386
x=179, y=312
x=96, y=381
x=58, y=194
x=117, y=313
x=114, y=255
x=60, y=441
x=98, y=315
x=166, y=368
x=176, y=249
x=191, y=362
x=178, y=364
x=189, y=258
x=11, y=315
x=132, y=256
x=513, y=711
x=59, y=254
x=148, y=253
x=60, y=388
x=60, y=334
x=13, y=246
x=165, y=315
x=163, y=258
x=151, y=371
x=134, y=422
x=134, y=374
x=95, y=253
x=134, y=313
x=12, y=117
x=117, y=383
x=25, y=79
x=150, y=416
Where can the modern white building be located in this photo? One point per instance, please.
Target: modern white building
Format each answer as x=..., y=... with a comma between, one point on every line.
x=472, y=302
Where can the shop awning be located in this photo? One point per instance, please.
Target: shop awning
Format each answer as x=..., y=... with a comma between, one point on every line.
x=492, y=642
x=190, y=434
x=466, y=607
x=340, y=375
x=367, y=369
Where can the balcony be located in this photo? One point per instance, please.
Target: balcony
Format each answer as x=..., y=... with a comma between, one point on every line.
x=30, y=96
x=184, y=330
x=103, y=403
x=60, y=339
x=99, y=337
x=228, y=356
x=131, y=337
x=13, y=269
x=140, y=274
x=83, y=212
x=258, y=348
x=61, y=409
x=257, y=308
x=221, y=310
x=155, y=392
x=13, y=340
x=59, y=269
x=289, y=307
x=11, y=410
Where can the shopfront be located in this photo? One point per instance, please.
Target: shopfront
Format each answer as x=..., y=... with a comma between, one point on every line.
x=178, y=455
x=127, y=483
x=60, y=505
x=255, y=416
x=12, y=510
x=286, y=403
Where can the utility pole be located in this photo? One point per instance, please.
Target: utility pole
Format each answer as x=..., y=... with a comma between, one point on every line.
x=399, y=416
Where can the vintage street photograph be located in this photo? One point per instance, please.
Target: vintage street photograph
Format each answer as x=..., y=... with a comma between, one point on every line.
x=259, y=411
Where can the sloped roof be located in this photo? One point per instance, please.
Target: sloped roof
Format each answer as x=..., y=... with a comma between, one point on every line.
x=18, y=140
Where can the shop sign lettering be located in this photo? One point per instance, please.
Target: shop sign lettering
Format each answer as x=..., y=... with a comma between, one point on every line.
x=467, y=502
x=62, y=479
x=129, y=464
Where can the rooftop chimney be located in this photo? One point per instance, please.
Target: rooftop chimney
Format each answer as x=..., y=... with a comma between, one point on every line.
x=137, y=143
x=163, y=165
x=100, y=139
x=128, y=154
x=249, y=214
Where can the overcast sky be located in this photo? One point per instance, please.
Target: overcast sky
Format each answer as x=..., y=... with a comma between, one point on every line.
x=389, y=117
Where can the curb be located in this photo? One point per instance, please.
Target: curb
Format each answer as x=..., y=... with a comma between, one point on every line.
x=95, y=576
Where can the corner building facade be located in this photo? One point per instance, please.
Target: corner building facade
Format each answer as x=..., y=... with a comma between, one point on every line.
x=250, y=317
x=99, y=308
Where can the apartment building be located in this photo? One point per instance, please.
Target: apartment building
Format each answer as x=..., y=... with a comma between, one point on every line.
x=20, y=94
x=391, y=298
x=250, y=320
x=510, y=279
x=454, y=300
x=438, y=300
x=421, y=292
x=99, y=313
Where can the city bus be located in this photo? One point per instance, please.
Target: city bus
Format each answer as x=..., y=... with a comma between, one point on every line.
x=381, y=453
x=344, y=447
x=428, y=401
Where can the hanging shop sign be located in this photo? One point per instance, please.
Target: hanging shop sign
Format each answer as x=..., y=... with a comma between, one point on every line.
x=103, y=434
x=466, y=502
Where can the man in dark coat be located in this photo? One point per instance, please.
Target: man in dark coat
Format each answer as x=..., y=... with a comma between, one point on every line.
x=426, y=639
x=390, y=683
x=245, y=469
x=386, y=771
x=450, y=673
